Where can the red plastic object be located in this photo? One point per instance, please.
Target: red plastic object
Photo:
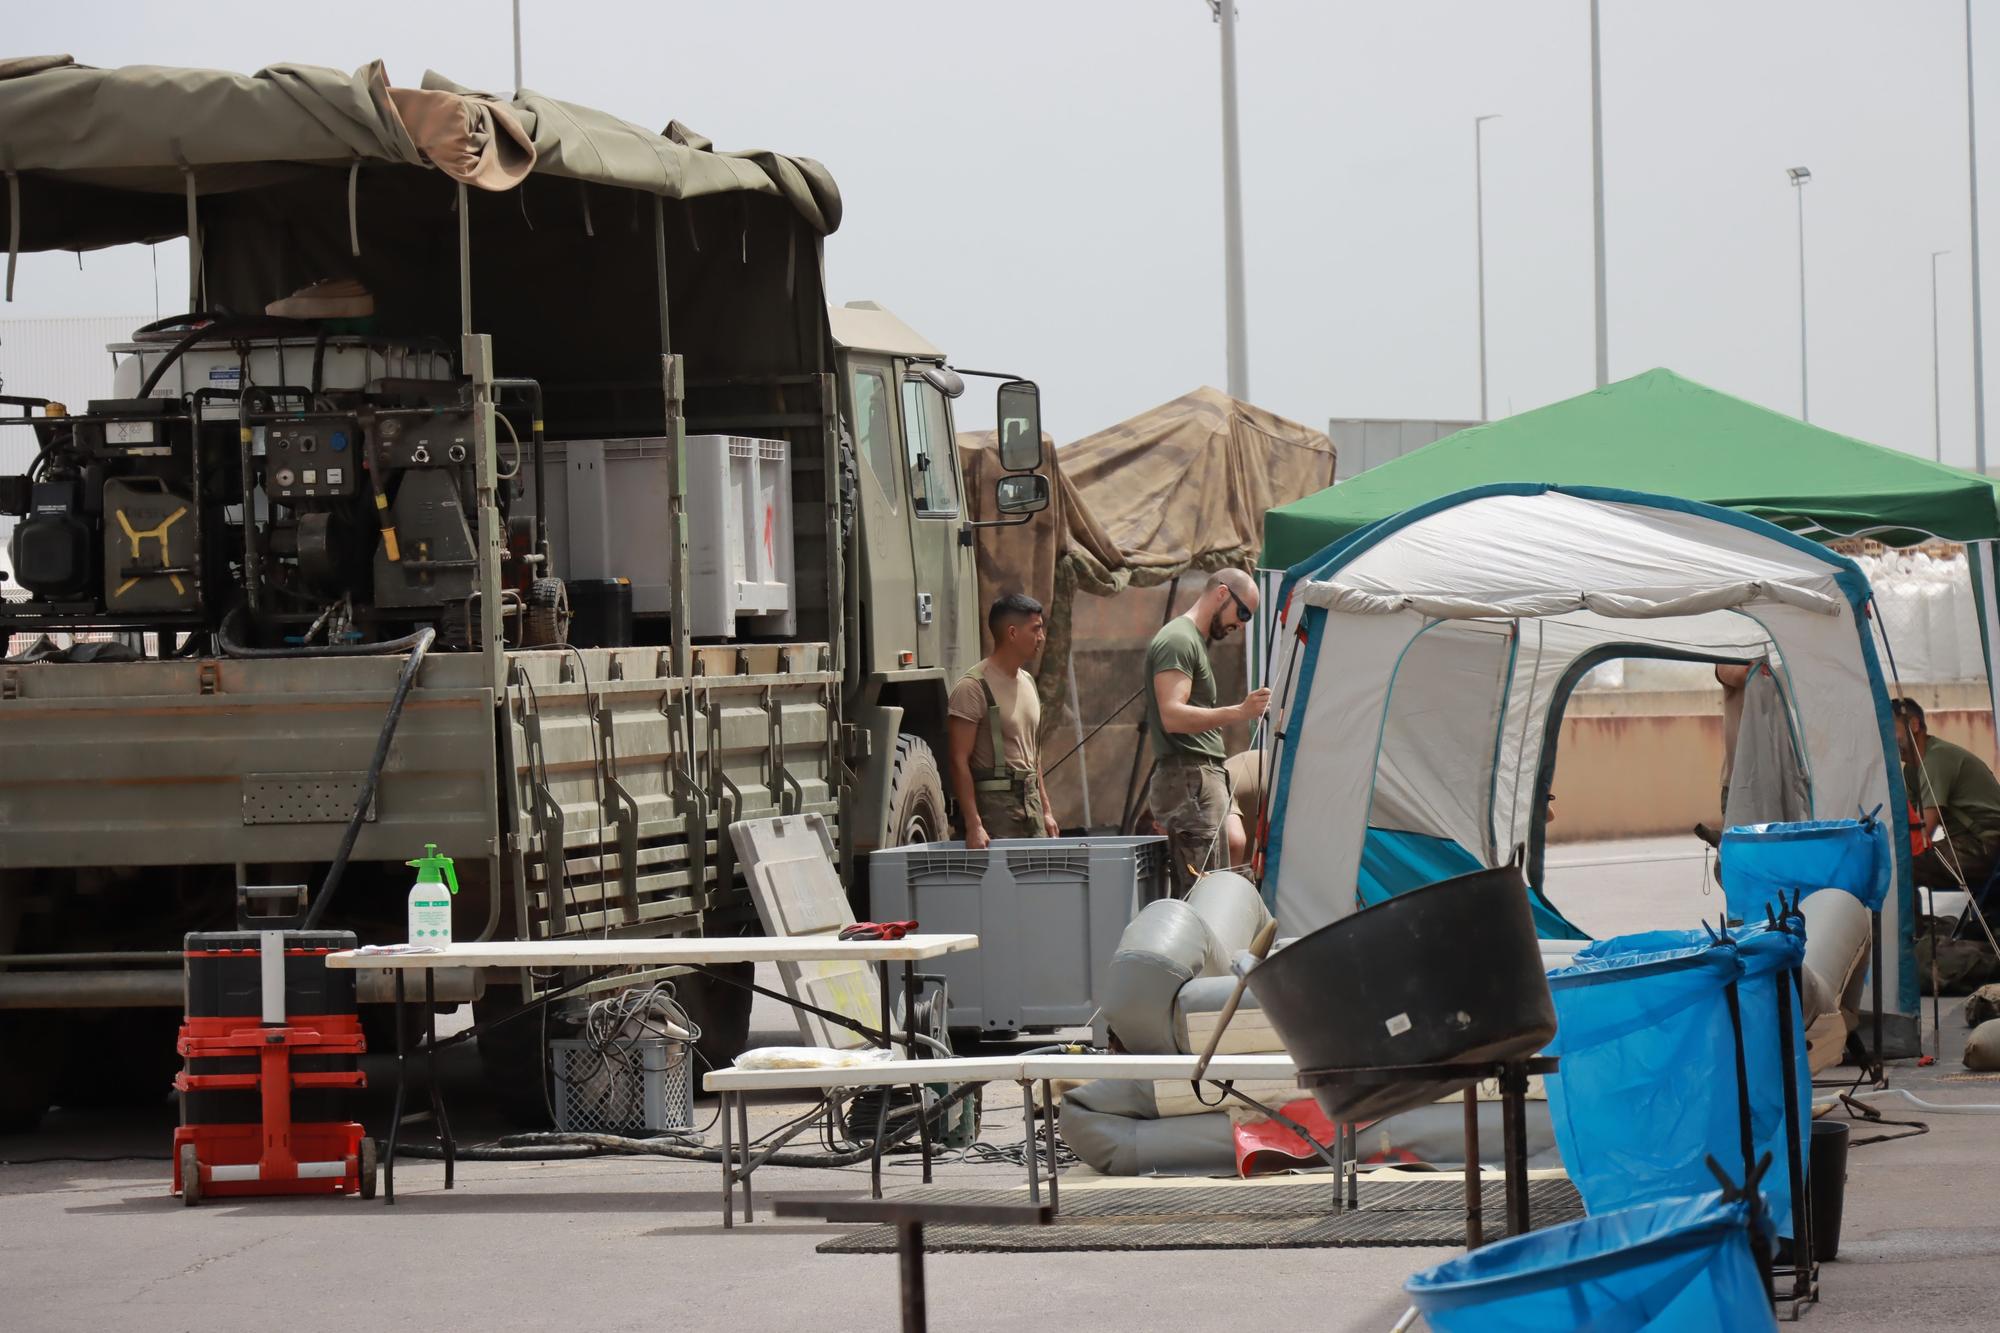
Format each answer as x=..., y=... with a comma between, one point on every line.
x=275, y=1155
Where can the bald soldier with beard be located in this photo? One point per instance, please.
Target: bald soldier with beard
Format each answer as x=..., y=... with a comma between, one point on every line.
x=1189, y=794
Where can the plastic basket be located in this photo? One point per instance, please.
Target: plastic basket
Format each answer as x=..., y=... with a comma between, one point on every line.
x=629, y=1086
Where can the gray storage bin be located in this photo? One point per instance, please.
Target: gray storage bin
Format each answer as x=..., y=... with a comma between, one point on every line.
x=1048, y=913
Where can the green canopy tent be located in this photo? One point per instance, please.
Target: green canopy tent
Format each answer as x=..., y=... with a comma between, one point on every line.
x=1662, y=434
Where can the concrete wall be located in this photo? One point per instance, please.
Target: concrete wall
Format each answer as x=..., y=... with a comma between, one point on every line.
x=1635, y=764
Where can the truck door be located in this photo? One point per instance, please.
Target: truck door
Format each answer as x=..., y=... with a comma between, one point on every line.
x=936, y=515
x=888, y=594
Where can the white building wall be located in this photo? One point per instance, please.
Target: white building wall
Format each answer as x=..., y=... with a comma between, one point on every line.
x=60, y=359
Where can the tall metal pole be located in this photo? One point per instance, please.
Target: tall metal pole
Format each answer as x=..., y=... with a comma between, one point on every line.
x=1479, y=227
x=1597, y=197
x=1799, y=187
x=1937, y=401
x=1232, y=208
x=517, y=48
x=1978, y=335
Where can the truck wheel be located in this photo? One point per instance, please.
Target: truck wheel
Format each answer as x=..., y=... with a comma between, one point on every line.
x=721, y=1011
x=546, y=622
x=916, y=795
x=28, y=1054
x=512, y=1059
x=119, y=1059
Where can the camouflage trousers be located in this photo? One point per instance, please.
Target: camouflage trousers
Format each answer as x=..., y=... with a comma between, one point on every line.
x=1189, y=797
x=1012, y=814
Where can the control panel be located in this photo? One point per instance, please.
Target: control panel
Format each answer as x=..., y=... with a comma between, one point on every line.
x=312, y=457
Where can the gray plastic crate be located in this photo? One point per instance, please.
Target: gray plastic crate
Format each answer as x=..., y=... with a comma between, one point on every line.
x=1048, y=913
x=633, y=1086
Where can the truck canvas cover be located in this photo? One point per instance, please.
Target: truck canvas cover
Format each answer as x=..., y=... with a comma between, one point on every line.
x=74, y=132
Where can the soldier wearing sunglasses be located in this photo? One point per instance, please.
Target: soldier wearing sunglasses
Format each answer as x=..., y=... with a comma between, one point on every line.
x=1189, y=794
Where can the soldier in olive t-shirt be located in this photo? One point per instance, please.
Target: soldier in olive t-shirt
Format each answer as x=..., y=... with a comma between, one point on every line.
x=1954, y=790
x=1189, y=793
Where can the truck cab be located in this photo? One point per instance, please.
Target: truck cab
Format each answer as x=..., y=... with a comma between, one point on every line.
x=914, y=613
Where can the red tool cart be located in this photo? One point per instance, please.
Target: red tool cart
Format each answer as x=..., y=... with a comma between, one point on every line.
x=270, y=1046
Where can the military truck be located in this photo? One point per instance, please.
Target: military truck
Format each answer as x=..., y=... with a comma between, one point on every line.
x=564, y=527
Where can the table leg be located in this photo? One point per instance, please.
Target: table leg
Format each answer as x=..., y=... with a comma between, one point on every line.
x=910, y=1252
x=888, y=1004
x=1514, y=1120
x=729, y=1163
x=1049, y=1136
x=1475, y=1228
x=910, y=1052
x=743, y=1133
x=396, y=1109
x=445, y=1139
x=1339, y=1168
x=1031, y=1150
x=1353, y=1160
x=881, y=1129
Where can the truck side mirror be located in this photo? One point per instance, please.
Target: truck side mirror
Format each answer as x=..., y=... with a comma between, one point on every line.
x=1022, y=493
x=1019, y=414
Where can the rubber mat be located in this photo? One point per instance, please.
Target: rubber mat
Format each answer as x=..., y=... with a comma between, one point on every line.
x=1221, y=1217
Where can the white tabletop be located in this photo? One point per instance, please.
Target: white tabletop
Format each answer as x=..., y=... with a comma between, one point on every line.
x=956, y=1069
x=1164, y=1068
x=661, y=952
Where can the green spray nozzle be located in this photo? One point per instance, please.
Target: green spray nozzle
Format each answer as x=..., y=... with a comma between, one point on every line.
x=430, y=864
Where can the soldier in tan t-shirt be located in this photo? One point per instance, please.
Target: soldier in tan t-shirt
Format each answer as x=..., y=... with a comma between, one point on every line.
x=995, y=707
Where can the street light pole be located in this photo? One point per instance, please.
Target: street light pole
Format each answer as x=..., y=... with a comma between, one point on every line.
x=1937, y=401
x=1597, y=197
x=517, y=48
x=1799, y=176
x=1978, y=336
x=1224, y=12
x=1479, y=228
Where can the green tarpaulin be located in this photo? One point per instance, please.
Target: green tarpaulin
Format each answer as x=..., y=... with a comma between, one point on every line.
x=1664, y=435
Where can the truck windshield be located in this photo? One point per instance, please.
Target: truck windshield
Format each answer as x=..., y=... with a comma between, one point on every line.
x=927, y=438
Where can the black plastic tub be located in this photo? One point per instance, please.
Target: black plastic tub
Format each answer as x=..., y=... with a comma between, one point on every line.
x=1448, y=973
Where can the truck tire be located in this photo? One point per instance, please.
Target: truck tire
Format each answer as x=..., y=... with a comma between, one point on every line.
x=916, y=795
x=119, y=1059
x=721, y=1011
x=512, y=1060
x=29, y=1053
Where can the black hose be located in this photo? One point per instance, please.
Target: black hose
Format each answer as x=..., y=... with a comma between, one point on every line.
x=231, y=646
x=174, y=354
x=422, y=642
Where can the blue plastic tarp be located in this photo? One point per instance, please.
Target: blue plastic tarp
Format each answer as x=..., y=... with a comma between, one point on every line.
x=1394, y=861
x=1678, y=1266
x=1764, y=863
x=1621, y=1152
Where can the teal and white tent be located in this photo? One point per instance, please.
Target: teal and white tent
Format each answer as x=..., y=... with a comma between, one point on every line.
x=1424, y=662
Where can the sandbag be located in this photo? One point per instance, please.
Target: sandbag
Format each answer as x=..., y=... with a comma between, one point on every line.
x=1837, y=927
x=1984, y=1005
x=1232, y=909
x=1164, y=947
x=1113, y=1126
x=1982, y=1048
x=1198, y=1005
x=1961, y=966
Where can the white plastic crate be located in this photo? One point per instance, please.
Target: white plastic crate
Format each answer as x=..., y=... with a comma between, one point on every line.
x=607, y=508
x=631, y=1086
x=739, y=536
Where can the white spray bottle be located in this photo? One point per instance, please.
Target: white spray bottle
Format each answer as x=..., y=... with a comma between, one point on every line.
x=430, y=905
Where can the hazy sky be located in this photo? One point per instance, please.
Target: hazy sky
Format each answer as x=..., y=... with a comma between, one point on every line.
x=1037, y=186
